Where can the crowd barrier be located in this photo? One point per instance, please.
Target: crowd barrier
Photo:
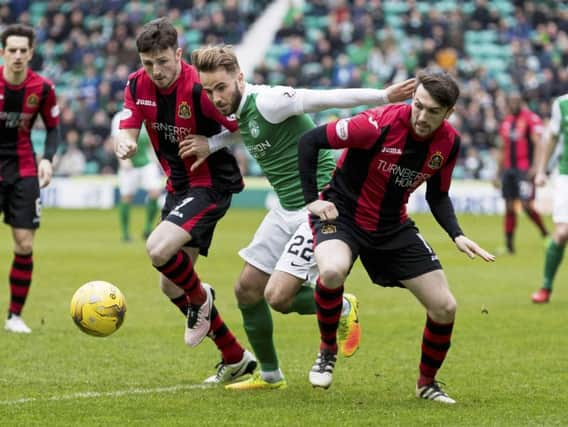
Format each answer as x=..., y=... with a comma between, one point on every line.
x=101, y=192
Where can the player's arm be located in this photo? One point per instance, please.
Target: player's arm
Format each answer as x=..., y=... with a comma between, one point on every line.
x=279, y=103
x=437, y=196
x=310, y=144
x=361, y=131
x=314, y=101
x=548, y=144
x=50, y=116
x=536, y=138
x=127, y=124
x=201, y=147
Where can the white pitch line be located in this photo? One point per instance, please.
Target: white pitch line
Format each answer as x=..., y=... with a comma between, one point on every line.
x=97, y=394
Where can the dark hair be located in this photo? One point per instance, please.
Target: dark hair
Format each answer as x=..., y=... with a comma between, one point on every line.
x=18, y=30
x=211, y=58
x=441, y=86
x=158, y=34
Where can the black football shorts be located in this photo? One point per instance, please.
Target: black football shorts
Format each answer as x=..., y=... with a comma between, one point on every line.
x=388, y=259
x=20, y=203
x=197, y=211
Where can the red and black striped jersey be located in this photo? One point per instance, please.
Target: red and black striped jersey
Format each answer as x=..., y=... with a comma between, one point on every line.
x=19, y=107
x=517, y=133
x=169, y=116
x=384, y=163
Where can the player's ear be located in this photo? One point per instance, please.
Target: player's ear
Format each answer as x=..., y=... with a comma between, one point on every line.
x=449, y=112
x=179, y=53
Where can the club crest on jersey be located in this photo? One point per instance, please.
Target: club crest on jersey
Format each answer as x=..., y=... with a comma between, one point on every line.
x=184, y=112
x=32, y=100
x=436, y=160
x=328, y=228
x=254, y=129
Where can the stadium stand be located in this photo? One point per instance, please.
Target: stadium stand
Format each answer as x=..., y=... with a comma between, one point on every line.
x=87, y=48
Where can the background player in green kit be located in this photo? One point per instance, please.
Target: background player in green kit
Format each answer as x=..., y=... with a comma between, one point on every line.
x=557, y=130
x=140, y=171
x=279, y=260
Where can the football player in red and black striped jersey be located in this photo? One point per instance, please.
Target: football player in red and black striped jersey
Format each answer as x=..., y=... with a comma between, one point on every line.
x=390, y=151
x=166, y=95
x=24, y=95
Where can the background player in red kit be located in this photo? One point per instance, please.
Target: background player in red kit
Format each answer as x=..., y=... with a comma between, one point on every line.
x=391, y=151
x=23, y=96
x=166, y=95
x=519, y=132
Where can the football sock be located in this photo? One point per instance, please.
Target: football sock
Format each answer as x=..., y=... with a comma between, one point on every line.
x=537, y=219
x=181, y=302
x=151, y=211
x=435, y=345
x=124, y=217
x=304, y=301
x=231, y=350
x=20, y=280
x=179, y=269
x=554, y=255
x=328, y=304
x=510, y=225
x=257, y=322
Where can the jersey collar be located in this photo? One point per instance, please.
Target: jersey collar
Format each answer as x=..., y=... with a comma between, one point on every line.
x=246, y=93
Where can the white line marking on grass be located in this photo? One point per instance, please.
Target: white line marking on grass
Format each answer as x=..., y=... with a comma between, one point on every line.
x=97, y=394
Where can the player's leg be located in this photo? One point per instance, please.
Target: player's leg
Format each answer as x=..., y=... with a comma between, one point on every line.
x=260, y=257
x=152, y=183
x=334, y=259
x=527, y=196
x=189, y=219
x=235, y=360
x=22, y=210
x=555, y=248
x=20, y=279
x=432, y=290
x=290, y=288
x=510, y=190
x=257, y=322
x=127, y=185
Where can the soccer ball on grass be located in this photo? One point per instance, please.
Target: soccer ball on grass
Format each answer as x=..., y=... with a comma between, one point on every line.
x=98, y=308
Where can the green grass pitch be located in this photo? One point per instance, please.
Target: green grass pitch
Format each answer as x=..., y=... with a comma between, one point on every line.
x=507, y=367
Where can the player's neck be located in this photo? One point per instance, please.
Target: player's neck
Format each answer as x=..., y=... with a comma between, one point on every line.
x=14, y=79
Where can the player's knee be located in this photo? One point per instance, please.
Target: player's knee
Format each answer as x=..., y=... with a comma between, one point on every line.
x=445, y=311
x=277, y=300
x=157, y=252
x=248, y=292
x=332, y=277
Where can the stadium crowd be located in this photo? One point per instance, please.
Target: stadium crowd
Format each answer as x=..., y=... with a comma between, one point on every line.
x=88, y=50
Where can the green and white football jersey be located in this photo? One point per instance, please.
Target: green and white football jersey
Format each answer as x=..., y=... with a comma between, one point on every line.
x=271, y=123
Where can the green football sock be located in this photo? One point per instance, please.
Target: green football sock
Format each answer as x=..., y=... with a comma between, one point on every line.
x=151, y=211
x=258, y=327
x=124, y=217
x=304, y=301
x=554, y=254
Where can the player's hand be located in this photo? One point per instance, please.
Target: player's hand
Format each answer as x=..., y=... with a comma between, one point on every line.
x=471, y=249
x=324, y=209
x=402, y=91
x=496, y=182
x=125, y=148
x=540, y=179
x=196, y=146
x=44, y=173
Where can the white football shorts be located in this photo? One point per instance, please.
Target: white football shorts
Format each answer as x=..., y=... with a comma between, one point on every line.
x=146, y=177
x=283, y=242
x=560, y=205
